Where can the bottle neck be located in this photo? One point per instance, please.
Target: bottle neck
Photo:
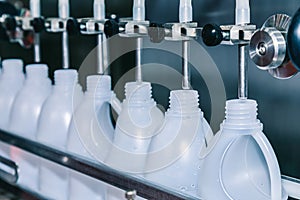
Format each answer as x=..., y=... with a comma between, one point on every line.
x=138, y=94
x=12, y=68
x=241, y=113
x=37, y=73
x=65, y=78
x=184, y=103
x=98, y=87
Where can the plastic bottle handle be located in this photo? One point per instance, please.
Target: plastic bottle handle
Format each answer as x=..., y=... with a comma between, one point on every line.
x=115, y=103
x=275, y=175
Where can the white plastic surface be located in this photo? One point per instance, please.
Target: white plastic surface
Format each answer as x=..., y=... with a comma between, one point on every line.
x=240, y=163
x=178, y=144
x=242, y=12
x=136, y=124
x=95, y=106
x=35, y=8
x=99, y=9
x=24, y=120
x=11, y=81
x=53, y=129
x=138, y=10
x=63, y=9
x=185, y=11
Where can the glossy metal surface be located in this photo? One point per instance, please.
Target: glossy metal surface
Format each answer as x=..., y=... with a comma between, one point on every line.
x=286, y=69
x=267, y=48
x=243, y=72
x=8, y=170
x=185, y=65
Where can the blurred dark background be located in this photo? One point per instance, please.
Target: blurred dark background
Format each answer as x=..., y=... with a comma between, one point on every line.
x=277, y=99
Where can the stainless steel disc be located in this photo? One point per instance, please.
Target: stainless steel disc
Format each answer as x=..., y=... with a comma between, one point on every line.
x=281, y=22
x=267, y=48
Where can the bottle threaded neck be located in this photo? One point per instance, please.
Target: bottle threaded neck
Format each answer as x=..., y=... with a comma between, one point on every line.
x=138, y=92
x=98, y=85
x=65, y=77
x=184, y=102
x=241, y=112
x=37, y=71
x=12, y=66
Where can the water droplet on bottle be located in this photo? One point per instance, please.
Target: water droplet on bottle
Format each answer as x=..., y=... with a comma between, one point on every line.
x=183, y=188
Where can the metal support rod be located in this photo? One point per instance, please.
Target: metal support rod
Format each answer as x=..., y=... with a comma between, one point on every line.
x=185, y=65
x=105, y=48
x=65, y=48
x=37, y=48
x=100, y=55
x=243, y=71
x=138, y=71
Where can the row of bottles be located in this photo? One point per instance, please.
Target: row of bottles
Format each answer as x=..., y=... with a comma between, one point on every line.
x=177, y=150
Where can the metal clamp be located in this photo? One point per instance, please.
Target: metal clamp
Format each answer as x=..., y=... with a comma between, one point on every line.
x=8, y=170
x=56, y=25
x=181, y=31
x=135, y=29
x=91, y=26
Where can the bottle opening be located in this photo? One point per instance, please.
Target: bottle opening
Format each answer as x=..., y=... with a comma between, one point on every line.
x=66, y=77
x=184, y=102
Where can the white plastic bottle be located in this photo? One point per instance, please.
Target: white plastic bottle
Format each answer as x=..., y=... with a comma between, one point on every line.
x=95, y=106
x=29, y=101
x=53, y=127
x=240, y=162
x=138, y=121
x=24, y=120
x=173, y=158
x=11, y=81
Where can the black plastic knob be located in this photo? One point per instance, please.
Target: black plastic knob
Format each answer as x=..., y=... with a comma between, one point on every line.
x=293, y=40
x=38, y=24
x=10, y=23
x=73, y=27
x=212, y=35
x=111, y=28
x=156, y=32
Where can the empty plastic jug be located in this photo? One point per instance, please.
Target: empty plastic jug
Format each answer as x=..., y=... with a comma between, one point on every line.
x=11, y=81
x=239, y=162
x=53, y=130
x=138, y=121
x=29, y=101
x=94, y=107
x=177, y=145
x=24, y=120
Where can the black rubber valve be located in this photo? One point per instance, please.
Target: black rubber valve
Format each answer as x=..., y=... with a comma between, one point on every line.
x=212, y=35
x=38, y=24
x=73, y=27
x=10, y=23
x=293, y=40
x=111, y=28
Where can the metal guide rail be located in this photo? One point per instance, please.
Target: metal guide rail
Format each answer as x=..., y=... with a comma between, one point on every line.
x=96, y=170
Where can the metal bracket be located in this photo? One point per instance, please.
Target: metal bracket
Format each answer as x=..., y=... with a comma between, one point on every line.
x=8, y=170
x=56, y=25
x=91, y=26
x=181, y=31
x=135, y=29
x=236, y=34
